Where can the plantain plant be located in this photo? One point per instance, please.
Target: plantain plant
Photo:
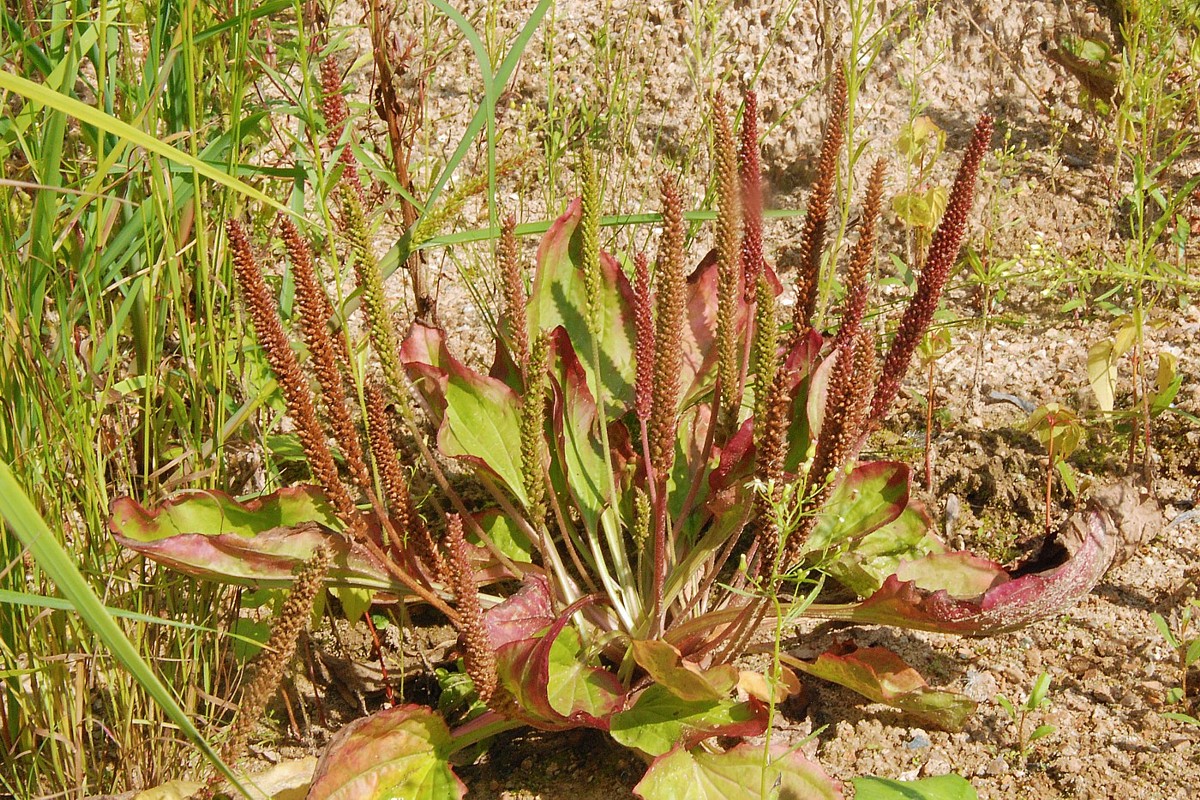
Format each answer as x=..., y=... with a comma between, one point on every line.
x=673, y=478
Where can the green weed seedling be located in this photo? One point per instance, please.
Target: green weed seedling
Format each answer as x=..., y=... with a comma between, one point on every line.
x=935, y=344
x=1036, y=701
x=1184, y=639
x=1058, y=429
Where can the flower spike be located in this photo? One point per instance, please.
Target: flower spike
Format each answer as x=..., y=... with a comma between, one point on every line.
x=668, y=338
x=296, y=393
x=274, y=658
x=323, y=345
x=750, y=170
x=532, y=425
x=812, y=240
x=643, y=317
x=943, y=252
x=478, y=655
x=514, y=292
x=396, y=491
x=862, y=259
x=729, y=277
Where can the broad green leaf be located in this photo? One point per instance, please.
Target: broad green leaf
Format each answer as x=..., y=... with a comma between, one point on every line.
x=941, y=787
x=509, y=539
x=483, y=424
x=262, y=542
x=355, y=602
x=1102, y=374
x=744, y=773
x=549, y=677
x=478, y=416
x=659, y=721
x=1007, y=605
x=871, y=496
x=579, y=447
x=867, y=562
x=663, y=662
x=575, y=685
x=961, y=574
x=401, y=753
x=559, y=298
x=212, y=513
x=881, y=675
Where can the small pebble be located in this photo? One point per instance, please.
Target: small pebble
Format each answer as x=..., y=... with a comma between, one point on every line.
x=919, y=740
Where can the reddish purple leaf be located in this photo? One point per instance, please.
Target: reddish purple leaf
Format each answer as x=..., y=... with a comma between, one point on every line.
x=478, y=417
x=263, y=541
x=880, y=675
x=521, y=615
x=554, y=688
x=1007, y=605
x=399, y=752
x=700, y=328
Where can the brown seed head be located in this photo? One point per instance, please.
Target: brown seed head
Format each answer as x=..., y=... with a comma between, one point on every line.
x=271, y=662
x=770, y=451
x=750, y=171
x=668, y=337
x=333, y=103
x=403, y=510
x=337, y=112
x=812, y=239
x=311, y=305
x=514, y=292
x=478, y=656
x=862, y=259
x=943, y=252
x=643, y=317
x=296, y=393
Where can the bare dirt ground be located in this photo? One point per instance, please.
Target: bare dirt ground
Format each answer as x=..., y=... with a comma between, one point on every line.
x=1110, y=669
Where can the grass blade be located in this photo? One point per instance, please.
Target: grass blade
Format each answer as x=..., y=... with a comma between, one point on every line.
x=31, y=529
x=37, y=93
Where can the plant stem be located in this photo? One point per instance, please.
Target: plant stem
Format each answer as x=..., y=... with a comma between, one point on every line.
x=929, y=431
x=1049, y=471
